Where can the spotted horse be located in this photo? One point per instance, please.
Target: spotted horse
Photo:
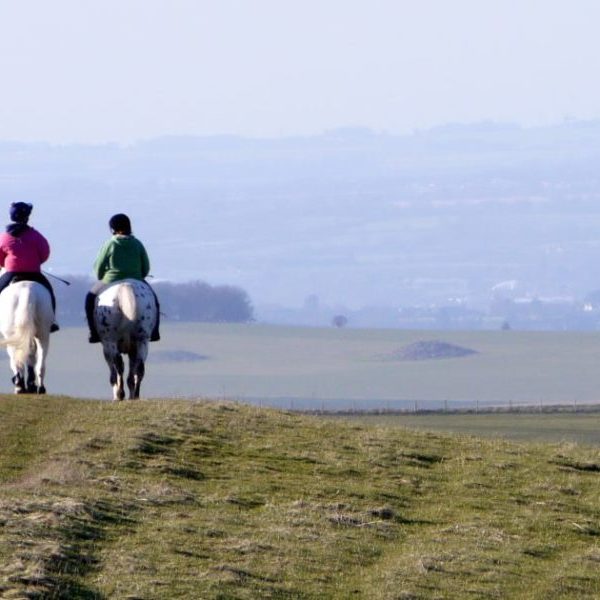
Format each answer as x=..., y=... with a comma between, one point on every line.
x=125, y=314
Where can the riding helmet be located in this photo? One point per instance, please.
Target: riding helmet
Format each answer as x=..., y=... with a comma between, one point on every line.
x=20, y=211
x=120, y=223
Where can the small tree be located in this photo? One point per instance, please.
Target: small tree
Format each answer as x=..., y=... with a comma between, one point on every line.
x=339, y=321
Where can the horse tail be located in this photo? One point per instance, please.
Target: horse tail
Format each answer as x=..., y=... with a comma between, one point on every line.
x=128, y=306
x=128, y=303
x=24, y=329
x=22, y=341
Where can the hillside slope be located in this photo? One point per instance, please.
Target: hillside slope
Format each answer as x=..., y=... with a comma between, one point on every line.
x=170, y=499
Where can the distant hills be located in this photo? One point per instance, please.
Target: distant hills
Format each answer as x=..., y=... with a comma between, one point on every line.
x=354, y=217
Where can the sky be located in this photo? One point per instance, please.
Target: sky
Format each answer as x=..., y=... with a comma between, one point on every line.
x=96, y=71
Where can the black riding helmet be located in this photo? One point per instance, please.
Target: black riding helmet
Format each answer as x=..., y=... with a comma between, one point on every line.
x=120, y=223
x=20, y=211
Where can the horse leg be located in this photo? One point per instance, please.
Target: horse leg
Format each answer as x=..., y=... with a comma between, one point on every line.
x=138, y=366
x=31, y=384
x=18, y=378
x=117, y=367
x=116, y=377
x=19, y=381
x=136, y=374
x=40, y=366
x=139, y=375
x=131, y=378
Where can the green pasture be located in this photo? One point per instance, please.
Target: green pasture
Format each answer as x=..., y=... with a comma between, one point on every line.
x=554, y=427
x=172, y=499
x=297, y=367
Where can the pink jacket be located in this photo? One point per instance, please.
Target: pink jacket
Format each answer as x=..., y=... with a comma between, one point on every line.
x=25, y=253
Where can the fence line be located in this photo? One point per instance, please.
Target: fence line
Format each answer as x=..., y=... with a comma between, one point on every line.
x=417, y=406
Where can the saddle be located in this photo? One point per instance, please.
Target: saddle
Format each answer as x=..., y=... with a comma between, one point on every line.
x=36, y=278
x=25, y=277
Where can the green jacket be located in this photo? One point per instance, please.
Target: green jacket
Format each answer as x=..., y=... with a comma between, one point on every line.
x=122, y=257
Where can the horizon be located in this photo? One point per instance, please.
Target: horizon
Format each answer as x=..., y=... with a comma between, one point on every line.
x=357, y=218
x=342, y=131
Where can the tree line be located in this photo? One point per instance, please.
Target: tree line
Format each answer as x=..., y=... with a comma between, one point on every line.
x=186, y=301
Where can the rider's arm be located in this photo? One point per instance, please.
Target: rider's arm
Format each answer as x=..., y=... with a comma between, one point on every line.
x=3, y=253
x=145, y=261
x=43, y=247
x=101, y=263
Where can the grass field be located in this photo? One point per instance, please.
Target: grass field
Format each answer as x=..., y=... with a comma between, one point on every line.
x=173, y=499
x=206, y=499
x=559, y=427
x=340, y=368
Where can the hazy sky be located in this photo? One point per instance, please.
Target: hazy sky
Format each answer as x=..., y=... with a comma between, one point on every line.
x=120, y=70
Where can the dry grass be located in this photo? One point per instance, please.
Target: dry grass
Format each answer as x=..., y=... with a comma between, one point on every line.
x=168, y=499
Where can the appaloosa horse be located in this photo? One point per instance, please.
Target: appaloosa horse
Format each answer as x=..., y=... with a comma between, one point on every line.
x=26, y=316
x=125, y=315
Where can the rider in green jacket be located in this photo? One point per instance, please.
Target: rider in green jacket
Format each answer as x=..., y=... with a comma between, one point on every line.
x=122, y=256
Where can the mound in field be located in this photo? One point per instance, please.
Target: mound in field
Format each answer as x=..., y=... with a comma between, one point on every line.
x=430, y=350
x=175, y=356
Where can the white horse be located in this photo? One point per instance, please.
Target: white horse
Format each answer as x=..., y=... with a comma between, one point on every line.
x=125, y=314
x=26, y=316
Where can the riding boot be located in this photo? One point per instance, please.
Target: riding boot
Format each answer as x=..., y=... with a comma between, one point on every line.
x=54, y=327
x=90, y=303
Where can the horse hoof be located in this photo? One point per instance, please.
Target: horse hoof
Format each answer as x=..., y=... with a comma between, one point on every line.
x=20, y=390
x=41, y=390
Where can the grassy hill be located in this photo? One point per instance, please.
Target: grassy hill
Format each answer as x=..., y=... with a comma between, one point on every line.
x=173, y=499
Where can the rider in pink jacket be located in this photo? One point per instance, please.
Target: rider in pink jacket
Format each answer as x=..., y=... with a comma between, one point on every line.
x=23, y=250
x=25, y=253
